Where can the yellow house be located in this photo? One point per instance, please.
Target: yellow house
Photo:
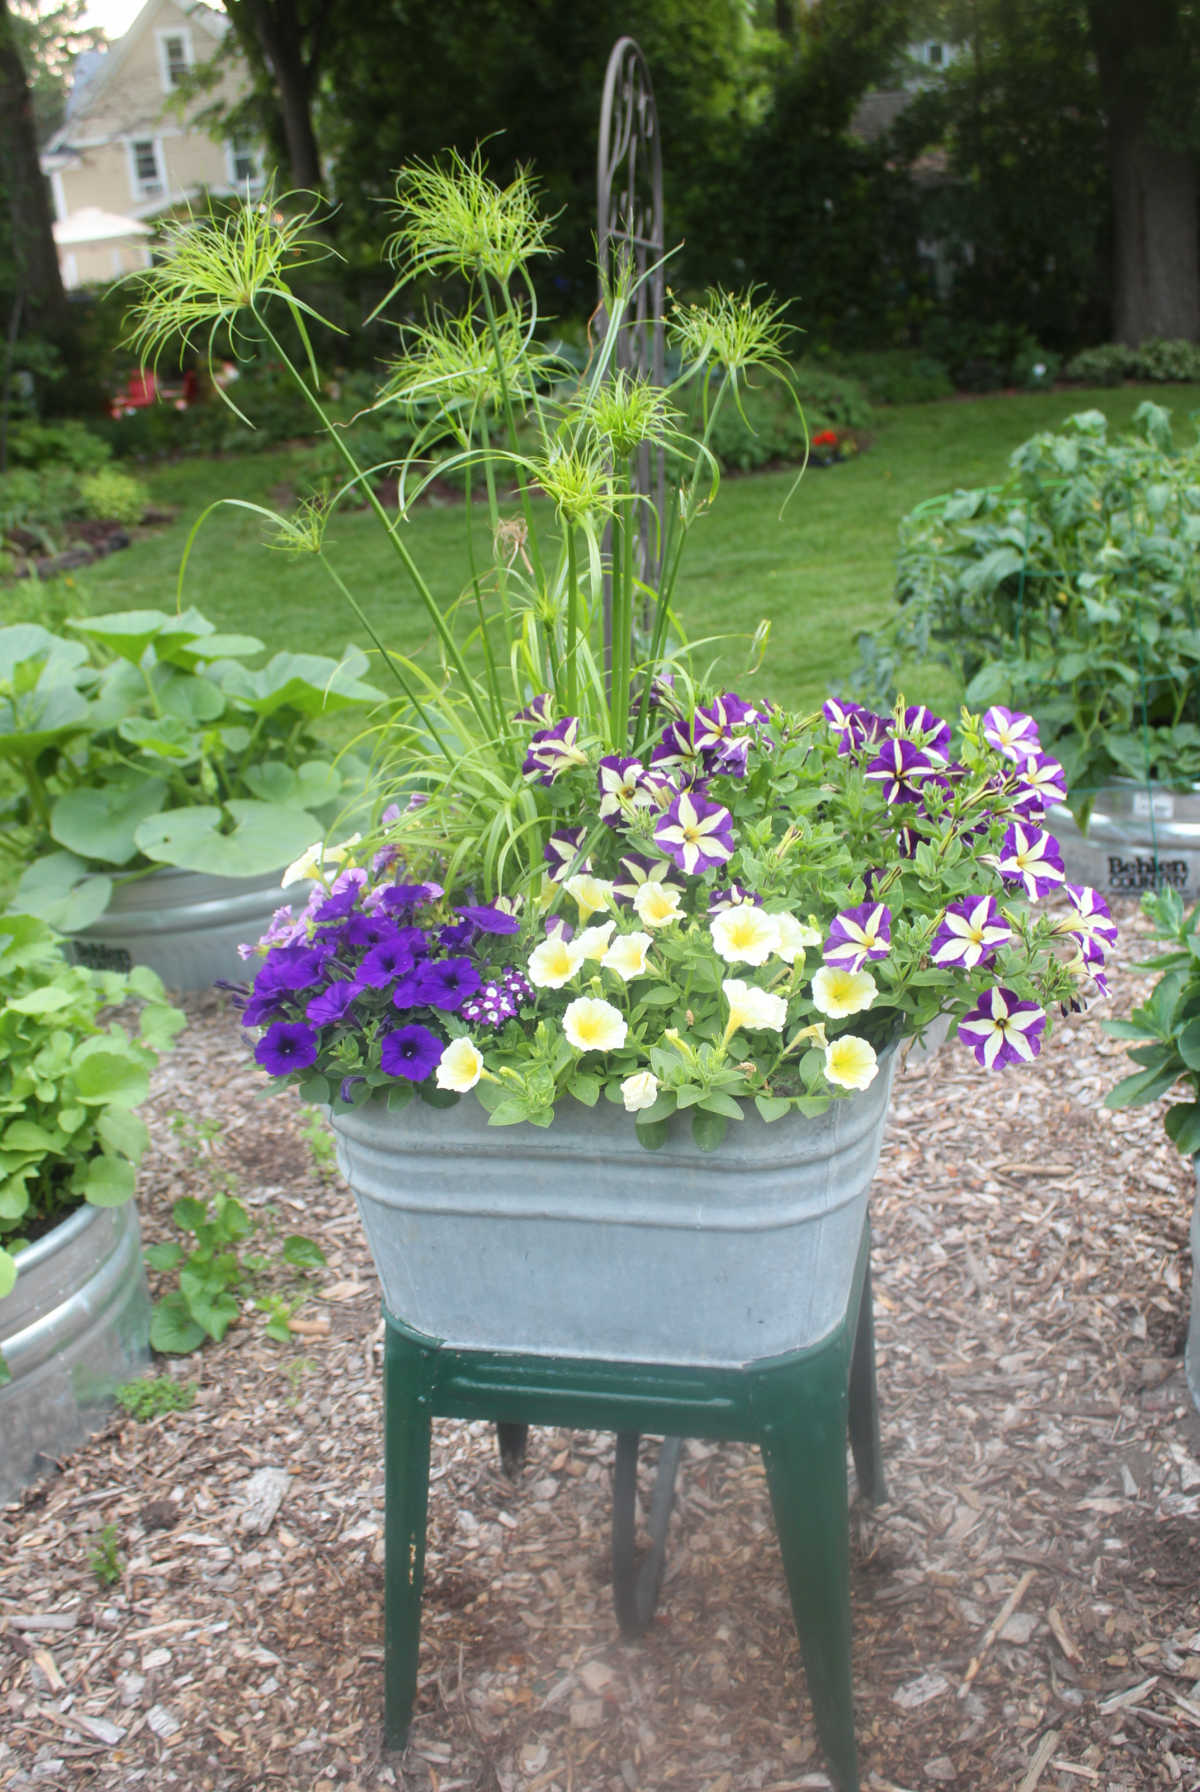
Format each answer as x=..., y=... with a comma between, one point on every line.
x=125, y=153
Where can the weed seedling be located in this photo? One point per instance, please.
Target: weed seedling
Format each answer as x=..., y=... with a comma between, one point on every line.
x=154, y=1395
x=104, y=1561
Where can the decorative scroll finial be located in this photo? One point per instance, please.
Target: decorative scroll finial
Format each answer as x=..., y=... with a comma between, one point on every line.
x=629, y=207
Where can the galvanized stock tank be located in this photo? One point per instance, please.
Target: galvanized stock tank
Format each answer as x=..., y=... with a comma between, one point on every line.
x=75, y=1326
x=183, y=924
x=573, y=1240
x=1137, y=839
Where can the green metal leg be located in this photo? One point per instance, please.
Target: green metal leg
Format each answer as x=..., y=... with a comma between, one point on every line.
x=407, y=1430
x=805, y=1458
x=864, y=1406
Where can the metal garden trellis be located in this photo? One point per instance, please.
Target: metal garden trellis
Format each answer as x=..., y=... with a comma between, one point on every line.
x=629, y=215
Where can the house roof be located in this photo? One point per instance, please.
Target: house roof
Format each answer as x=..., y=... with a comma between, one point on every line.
x=95, y=69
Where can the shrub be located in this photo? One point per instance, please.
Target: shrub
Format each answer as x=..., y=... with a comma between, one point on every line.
x=112, y=494
x=71, y=444
x=898, y=376
x=1159, y=359
x=1106, y=365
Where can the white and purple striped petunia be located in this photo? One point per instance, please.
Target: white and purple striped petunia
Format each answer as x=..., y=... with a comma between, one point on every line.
x=695, y=833
x=1045, y=775
x=857, y=934
x=1091, y=924
x=1032, y=857
x=1010, y=732
x=970, y=932
x=622, y=788
x=899, y=767
x=553, y=751
x=935, y=734
x=1002, y=1029
x=562, y=853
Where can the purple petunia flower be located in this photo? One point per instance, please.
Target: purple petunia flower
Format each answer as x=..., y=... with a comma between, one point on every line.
x=359, y=931
x=332, y=1003
x=858, y=934
x=970, y=932
x=1010, y=732
x=737, y=712
x=400, y=898
x=446, y=983
x=1030, y=856
x=552, y=751
x=1002, y=1029
x=385, y=962
x=489, y=920
x=695, y=833
x=337, y=906
x=288, y=968
x=286, y=1046
x=410, y=1052
x=900, y=767
x=731, y=758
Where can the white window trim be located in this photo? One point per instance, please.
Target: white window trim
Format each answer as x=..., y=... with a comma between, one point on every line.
x=140, y=189
x=164, y=66
x=59, y=196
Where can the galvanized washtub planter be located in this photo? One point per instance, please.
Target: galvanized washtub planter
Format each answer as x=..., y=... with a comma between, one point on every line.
x=574, y=1241
x=1191, y=1354
x=76, y=1325
x=1137, y=839
x=183, y=924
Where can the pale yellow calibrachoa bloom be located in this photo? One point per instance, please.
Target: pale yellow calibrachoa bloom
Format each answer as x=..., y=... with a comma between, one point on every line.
x=795, y=937
x=744, y=934
x=314, y=859
x=554, y=962
x=627, y=955
x=837, y=992
x=461, y=1066
x=754, y=1008
x=593, y=941
x=593, y=1025
x=591, y=893
x=639, y=1091
x=657, y=904
x=850, y=1062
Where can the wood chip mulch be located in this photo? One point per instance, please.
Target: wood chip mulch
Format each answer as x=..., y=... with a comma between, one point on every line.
x=1026, y=1606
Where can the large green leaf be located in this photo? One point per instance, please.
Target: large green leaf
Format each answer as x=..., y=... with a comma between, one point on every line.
x=307, y=682
x=41, y=719
x=126, y=1133
x=1183, y=1126
x=103, y=1075
x=210, y=648
x=100, y=823
x=129, y=632
x=311, y=786
x=190, y=699
x=109, y=1182
x=164, y=736
x=263, y=838
x=42, y=1001
x=172, y=1328
x=59, y=888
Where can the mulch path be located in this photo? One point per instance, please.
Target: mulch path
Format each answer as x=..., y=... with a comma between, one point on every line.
x=1026, y=1606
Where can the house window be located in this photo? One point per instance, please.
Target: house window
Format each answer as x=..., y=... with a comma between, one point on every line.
x=936, y=55
x=243, y=162
x=175, y=50
x=146, y=171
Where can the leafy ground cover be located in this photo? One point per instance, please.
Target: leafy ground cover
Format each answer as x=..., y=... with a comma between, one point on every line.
x=820, y=567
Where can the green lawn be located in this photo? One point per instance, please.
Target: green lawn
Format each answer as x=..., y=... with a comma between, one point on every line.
x=818, y=566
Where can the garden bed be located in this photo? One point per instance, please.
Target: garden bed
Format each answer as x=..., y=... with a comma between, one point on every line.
x=1024, y=1607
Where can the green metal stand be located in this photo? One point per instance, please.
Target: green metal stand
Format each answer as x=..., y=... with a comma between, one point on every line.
x=796, y=1407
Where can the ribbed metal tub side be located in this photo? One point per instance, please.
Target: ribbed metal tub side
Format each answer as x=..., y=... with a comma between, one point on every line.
x=575, y=1241
x=1136, y=839
x=184, y=925
x=76, y=1325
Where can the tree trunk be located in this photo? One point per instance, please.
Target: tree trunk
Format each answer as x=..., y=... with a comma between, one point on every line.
x=280, y=38
x=294, y=94
x=1156, y=276
x=24, y=191
x=1140, y=48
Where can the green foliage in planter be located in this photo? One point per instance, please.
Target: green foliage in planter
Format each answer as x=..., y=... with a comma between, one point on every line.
x=70, y=1078
x=1164, y=1032
x=110, y=494
x=151, y=741
x=1070, y=591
